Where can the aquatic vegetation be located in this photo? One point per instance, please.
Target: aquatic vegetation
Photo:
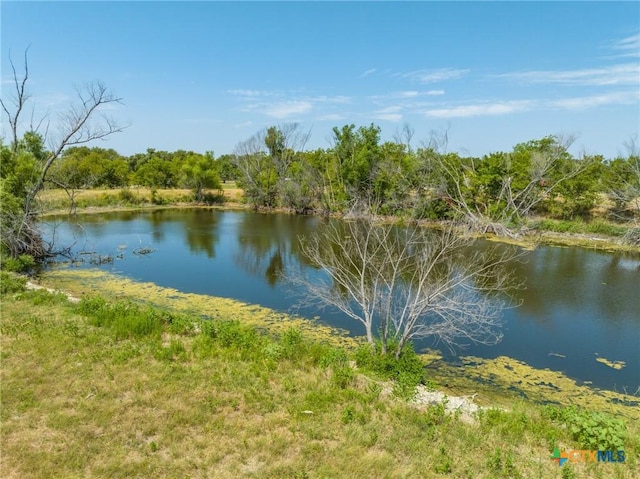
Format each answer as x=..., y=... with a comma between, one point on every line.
x=491, y=378
x=611, y=364
x=111, y=286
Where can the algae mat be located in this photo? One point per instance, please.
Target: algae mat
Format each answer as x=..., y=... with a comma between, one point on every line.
x=89, y=282
x=489, y=378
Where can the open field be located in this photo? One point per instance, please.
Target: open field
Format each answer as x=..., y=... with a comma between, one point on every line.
x=55, y=201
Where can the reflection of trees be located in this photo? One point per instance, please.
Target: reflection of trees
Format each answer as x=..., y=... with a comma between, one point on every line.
x=410, y=282
x=267, y=243
x=201, y=229
x=584, y=282
x=157, y=219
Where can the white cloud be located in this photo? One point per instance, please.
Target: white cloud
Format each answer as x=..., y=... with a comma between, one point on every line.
x=388, y=117
x=613, y=98
x=414, y=94
x=52, y=100
x=434, y=76
x=339, y=99
x=626, y=97
x=283, y=105
x=623, y=74
x=288, y=108
x=629, y=46
x=247, y=93
x=480, y=109
x=391, y=113
x=369, y=72
x=407, y=94
x=332, y=117
x=244, y=124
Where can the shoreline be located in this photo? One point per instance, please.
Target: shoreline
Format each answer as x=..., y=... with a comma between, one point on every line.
x=499, y=382
x=595, y=242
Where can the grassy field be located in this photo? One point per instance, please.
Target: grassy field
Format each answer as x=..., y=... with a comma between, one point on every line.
x=58, y=201
x=111, y=388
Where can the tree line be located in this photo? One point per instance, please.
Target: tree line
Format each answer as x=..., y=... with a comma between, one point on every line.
x=499, y=192
x=359, y=174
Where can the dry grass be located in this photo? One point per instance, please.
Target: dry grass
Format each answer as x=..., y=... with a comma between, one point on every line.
x=54, y=201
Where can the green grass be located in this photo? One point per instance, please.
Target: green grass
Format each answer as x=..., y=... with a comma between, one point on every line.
x=116, y=389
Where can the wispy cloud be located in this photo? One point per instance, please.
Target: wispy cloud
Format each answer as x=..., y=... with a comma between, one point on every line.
x=332, y=117
x=494, y=108
x=248, y=93
x=416, y=94
x=480, y=109
x=52, y=100
x=339, y=99
x=628, y=47
x=433, y=76
x=614, y=98
x=623, y=74
x=288, y=109
x=281, y=105
x=244, y=124
x=391, y=113
x=369, y=72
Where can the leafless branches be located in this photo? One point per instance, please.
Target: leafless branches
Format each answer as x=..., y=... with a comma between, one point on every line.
x=409, y=282
x=81, y=122
x=19, y=99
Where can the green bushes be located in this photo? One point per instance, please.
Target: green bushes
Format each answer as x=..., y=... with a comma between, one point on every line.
x=11, y=283
x=407, y=371
x=592, y=430
x=22, y=264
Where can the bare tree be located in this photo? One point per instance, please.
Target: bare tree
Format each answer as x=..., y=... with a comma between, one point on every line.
x=549, y=167
x=404, y=136
x=17, y=100
x=409, y=282
x=81, y=122
x=624, y=189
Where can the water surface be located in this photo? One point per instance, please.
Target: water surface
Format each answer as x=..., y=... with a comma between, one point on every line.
x=578, y=304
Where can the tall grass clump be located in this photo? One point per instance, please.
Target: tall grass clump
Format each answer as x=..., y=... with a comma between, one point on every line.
x=11, y=283
x=407, y=371
x=125, y=319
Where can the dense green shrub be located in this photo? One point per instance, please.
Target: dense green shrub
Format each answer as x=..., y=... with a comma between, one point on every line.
x=11, y=283
x=22, y=264
x=592, y=430
x=232, y=333
x=408, y=371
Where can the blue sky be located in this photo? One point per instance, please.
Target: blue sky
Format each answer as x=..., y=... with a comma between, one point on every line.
x=206, y=75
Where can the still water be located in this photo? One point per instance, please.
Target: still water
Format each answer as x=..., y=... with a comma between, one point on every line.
x=577, y=305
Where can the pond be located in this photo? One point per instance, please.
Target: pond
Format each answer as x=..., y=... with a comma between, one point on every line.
x=578, y=306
